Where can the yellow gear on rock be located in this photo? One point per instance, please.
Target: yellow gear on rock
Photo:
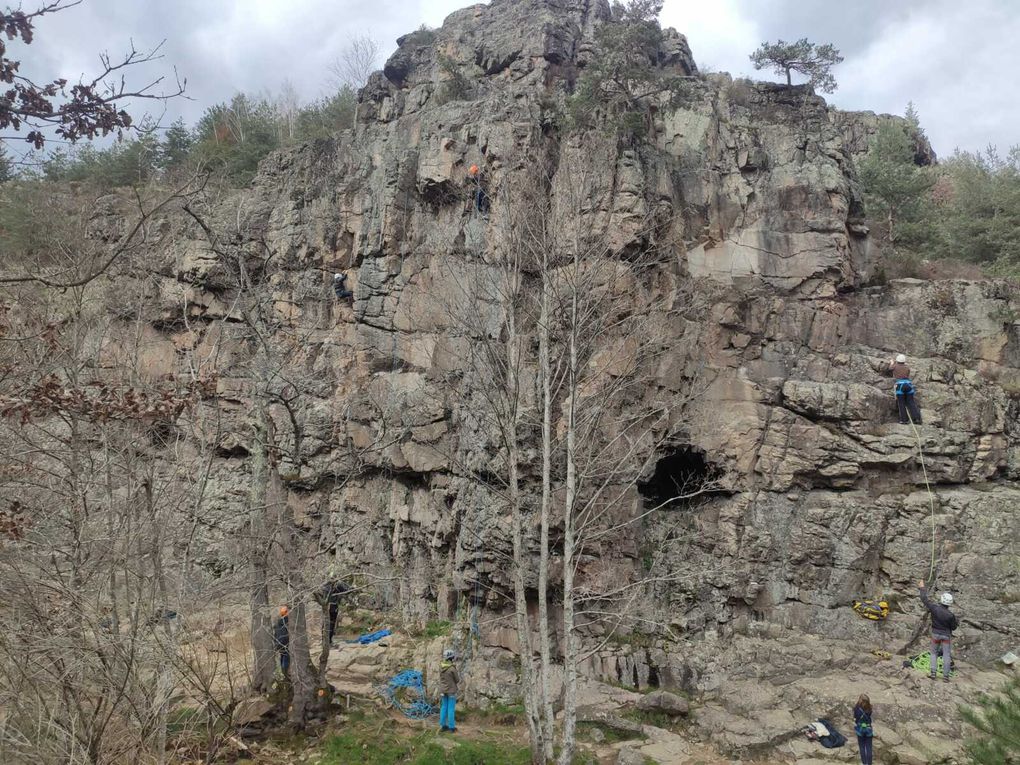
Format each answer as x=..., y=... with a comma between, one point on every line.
x=872, y=609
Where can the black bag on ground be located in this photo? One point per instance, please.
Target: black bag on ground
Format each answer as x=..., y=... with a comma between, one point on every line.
x=834, y=740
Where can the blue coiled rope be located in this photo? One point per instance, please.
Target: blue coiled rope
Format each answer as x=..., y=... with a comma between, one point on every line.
x=413, y=704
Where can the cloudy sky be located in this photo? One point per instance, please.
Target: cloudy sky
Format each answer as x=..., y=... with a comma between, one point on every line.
x=952, y=59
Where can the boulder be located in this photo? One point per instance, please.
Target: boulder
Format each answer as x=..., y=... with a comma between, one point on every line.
x=664, y=701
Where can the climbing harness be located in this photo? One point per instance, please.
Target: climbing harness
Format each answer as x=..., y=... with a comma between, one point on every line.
x=871, y=609
x=405, y=691
x=371, y=637
x=904, y=387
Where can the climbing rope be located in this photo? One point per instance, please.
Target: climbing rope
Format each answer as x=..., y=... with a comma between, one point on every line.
x=931, y=496
x=404, y=684
x=922, y=663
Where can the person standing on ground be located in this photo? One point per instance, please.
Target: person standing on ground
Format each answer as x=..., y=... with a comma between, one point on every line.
x=904, y=389
x=862, y=727
x=281, y=640
x=330, y=595
x=449, y=686
x=943, y=622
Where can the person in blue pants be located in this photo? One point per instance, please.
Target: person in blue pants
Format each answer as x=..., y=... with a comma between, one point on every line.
x=449, y=686
x=862, y=727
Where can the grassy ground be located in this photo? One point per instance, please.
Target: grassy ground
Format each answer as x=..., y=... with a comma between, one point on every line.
x=375, y=739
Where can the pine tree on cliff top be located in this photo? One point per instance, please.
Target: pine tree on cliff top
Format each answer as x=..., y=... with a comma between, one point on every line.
x=813, y=61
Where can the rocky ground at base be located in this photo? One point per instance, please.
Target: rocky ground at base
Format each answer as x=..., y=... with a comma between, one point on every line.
x=757, y=719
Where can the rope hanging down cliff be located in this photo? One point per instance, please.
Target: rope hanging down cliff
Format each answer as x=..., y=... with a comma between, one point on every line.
x=931, y=495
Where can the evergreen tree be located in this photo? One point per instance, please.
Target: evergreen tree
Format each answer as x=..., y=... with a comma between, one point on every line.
x=894, y=186
x=997, y=720
x=176, y=147
x=980, y=218
x=6, y=166
x=813, y=61
x=235, y=137
x=624, y=77
x=328, y=116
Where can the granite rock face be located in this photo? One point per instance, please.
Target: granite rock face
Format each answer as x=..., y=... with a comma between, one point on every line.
x=821, y=497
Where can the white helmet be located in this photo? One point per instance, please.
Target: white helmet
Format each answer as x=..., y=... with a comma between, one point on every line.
x=341, y=276
x=448, y=654
x=946, y=599
x=901, y=359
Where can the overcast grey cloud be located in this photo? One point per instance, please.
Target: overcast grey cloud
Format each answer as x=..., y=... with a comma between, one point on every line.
x=955, y=61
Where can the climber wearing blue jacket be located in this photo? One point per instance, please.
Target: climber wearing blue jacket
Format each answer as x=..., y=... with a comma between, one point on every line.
x=904, y=388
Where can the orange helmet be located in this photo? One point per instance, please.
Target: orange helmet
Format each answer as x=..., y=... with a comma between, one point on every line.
x=284, y=610
x=473, y=169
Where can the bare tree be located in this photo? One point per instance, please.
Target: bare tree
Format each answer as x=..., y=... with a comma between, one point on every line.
x=85, y=584
x=566, y=329
x=91, y=109
x=356, y=61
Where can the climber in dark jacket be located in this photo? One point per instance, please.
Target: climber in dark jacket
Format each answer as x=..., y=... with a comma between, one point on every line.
x=943, y=622
x=340, y=287
x=481, y=196
x=281, y=639
x=330, y=595
x=904, y=389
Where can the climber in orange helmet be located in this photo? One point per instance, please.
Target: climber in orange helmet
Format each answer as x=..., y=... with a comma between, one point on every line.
x=281, y=639
x=481, y=199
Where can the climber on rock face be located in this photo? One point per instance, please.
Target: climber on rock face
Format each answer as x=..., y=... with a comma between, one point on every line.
x=904, y=388
x=943, y=622
x=481, y=198
x=340, y=287
x=281, y=639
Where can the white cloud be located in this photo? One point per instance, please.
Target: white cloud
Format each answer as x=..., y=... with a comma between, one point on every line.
x=956, y=61
x=720, y=34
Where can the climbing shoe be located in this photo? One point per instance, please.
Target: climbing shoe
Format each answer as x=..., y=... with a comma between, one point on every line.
x=945, y=679
x=932, y=676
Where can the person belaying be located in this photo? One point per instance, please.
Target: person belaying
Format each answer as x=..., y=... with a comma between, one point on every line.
x=281, y=639
x=340, y=287
x=481, y=197
x=862, y=727
x=449, y=685
x=904, y=389
x=329, y=596
x=943, y=622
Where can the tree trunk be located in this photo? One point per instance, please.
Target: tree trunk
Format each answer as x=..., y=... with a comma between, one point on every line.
x=789, y=79
x=261, y=621
x=568, y=736
x=532, y=704
x=301, y=675
x=545, y=687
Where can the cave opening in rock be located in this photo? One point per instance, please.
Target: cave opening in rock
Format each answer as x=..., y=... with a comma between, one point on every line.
x=679, y=475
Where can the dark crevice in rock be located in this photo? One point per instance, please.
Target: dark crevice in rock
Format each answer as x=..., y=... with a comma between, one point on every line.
x=680, y=476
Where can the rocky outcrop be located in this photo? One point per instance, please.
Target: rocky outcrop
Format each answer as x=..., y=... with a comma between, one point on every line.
x=819, y=496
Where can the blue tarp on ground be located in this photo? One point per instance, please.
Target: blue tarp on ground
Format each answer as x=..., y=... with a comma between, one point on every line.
x=371, y=637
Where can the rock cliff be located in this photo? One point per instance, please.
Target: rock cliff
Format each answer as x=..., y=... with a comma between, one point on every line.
x=820, y=497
